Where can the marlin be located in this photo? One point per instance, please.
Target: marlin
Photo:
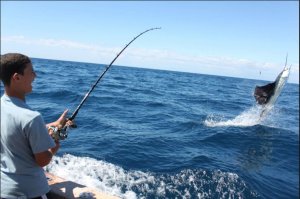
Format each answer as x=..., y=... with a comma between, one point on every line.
x=267, y=95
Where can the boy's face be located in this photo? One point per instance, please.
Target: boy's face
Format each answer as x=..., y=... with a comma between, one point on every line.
x=27, y=78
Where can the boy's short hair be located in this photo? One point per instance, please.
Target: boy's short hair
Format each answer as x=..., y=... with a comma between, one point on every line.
x=12, y=63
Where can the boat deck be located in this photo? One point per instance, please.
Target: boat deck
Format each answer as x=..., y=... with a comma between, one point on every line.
x=63, y=189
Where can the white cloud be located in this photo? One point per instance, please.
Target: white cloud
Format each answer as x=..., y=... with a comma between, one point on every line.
x=52, y=43
x=142, y=57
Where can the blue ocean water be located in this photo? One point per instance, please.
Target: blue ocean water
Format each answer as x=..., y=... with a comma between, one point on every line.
x=160, y=134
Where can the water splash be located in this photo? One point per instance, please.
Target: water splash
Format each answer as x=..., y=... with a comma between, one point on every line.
x=114, y=180
x=249, y=117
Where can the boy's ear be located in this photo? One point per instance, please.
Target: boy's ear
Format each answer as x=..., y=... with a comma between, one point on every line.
x=15, y=76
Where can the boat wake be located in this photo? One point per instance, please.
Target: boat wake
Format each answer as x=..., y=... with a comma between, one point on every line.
x=114, y=180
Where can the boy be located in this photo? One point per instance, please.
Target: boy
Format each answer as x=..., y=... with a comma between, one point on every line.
x=26, y=145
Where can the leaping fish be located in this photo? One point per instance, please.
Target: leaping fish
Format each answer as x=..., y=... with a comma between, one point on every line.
x=267, y=95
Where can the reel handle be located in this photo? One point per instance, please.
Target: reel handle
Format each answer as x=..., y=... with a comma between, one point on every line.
x=59, y=134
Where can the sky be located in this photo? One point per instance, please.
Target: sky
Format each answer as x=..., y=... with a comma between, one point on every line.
x=246, y=39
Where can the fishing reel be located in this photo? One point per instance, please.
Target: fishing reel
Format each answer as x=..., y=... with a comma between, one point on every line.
x=59, y=133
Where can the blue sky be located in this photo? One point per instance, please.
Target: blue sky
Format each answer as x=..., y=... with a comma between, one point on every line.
x=228, y=38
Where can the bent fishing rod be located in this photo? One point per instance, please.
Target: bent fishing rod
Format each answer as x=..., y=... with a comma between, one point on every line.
x=61, y=134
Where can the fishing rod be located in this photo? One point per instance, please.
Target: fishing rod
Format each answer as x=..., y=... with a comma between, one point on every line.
x=61, y=134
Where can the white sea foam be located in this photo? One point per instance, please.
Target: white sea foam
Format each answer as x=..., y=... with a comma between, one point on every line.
x=114, y=180
x=249, y=117
x=93, y=173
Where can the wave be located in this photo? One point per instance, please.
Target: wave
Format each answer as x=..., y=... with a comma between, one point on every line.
x=112, y=179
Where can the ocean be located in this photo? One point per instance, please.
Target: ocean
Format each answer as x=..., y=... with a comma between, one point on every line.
x=147, y=133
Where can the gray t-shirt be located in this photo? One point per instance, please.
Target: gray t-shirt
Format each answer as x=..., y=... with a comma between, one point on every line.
x=23, y=134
